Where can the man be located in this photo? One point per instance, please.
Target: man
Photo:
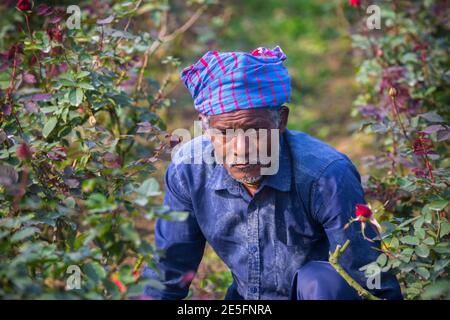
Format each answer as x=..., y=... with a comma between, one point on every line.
x=274, y=229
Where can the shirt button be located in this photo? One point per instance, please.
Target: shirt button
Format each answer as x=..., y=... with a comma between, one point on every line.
x=253, y=289
x=253, y=249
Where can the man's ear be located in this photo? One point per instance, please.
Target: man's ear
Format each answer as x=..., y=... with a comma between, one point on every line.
x=284, y=115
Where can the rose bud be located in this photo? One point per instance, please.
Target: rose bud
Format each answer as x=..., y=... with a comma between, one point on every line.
x=354, y=3
x=363, y=211
x=24, y=5
x=365, y=216
x=392, y=92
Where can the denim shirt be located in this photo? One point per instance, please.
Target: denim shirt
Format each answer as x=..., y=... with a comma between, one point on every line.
x=297, y=215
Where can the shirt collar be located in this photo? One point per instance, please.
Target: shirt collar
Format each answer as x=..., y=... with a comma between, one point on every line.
x=220, y=178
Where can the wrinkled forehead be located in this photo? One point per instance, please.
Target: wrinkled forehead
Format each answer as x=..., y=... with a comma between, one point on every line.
x=242, y=119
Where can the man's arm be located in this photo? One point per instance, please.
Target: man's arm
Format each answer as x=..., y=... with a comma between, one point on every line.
x=182, y=242
x=336, y=194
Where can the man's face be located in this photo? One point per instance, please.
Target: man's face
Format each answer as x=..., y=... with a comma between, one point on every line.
x=240, y=151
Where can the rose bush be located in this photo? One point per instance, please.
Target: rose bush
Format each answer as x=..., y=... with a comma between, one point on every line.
x=404, y=78
x=79, y=139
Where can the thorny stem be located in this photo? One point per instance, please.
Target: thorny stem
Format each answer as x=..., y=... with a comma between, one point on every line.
x=427, y=161
x=397, y=114
x=34, y=54
x=334, y=261
x=9, y=92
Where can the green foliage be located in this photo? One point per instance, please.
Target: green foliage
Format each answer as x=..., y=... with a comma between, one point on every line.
x=75, y=162
x=404, y=102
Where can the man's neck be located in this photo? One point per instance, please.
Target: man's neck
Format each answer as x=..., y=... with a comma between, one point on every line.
x=251, y=187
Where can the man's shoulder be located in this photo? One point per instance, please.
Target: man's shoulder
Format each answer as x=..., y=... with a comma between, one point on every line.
x=311, y=156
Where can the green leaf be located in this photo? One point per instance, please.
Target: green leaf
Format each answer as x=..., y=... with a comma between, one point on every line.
x=49, y=109
x=381, y=260
x=423, y=272
x=406, y=254
x=418, y=224
x=405, y=223
x=438, y=204
x=440, y=265
x=5, y=80
x=442, y=248
x=420, y=233
x=94, y=271
x=422, y=250
x=445, y=229
x=65, y=82
x=85, y=85
x=129, y=233
x=408, y=57
x=23, y=234
x=437, y=290
x=410, y=240
x=149, y=187
x=76, y=96
x=49, y=126
x=97, y=202
x=82, y=74
x=394, y=243
x=407, y=185
x=429, y=241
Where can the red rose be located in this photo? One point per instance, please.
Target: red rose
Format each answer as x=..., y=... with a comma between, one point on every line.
x=354, y=3
x=363, y=211
x=24, y=152
x=55, y=34
x=24, y=5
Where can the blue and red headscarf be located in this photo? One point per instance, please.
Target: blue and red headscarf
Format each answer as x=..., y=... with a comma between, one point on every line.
x=228, y=81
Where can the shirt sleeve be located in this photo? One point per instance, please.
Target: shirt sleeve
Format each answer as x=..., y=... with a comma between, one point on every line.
x=335, y=195
x=181, y=243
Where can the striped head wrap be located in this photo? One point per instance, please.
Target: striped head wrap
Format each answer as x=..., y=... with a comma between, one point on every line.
x=223, y=82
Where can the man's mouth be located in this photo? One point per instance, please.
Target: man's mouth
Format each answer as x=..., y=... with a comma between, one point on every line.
x=245, y=166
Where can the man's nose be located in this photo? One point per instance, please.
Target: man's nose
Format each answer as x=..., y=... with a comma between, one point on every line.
x=240, y=146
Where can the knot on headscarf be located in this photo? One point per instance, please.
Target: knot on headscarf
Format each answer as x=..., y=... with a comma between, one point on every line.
x=228, y=81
